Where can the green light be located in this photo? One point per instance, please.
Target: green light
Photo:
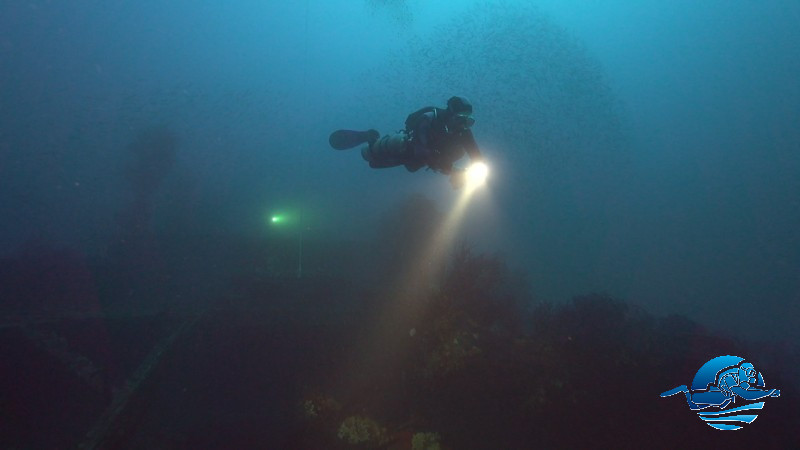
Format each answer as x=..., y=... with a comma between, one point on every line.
x=275, y=219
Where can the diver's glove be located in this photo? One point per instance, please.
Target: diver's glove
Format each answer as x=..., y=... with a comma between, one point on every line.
x=458, y=176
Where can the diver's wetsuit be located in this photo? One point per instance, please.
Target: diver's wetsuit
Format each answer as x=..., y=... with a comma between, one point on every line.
x=430, y=142
x=438, y=147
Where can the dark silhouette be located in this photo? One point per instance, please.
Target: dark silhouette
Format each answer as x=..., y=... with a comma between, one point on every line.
x=433, y=137
x=135, y=249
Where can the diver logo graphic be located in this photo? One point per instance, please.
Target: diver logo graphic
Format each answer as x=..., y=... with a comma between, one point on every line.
x=717, y=384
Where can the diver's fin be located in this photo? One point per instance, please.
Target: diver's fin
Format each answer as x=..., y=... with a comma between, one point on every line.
x=344, y=139
x=678, y=389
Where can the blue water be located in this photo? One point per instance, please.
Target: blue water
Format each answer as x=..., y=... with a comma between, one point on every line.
x=647, y=150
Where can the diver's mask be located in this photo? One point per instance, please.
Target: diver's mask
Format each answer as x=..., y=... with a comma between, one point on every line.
x=463, y=121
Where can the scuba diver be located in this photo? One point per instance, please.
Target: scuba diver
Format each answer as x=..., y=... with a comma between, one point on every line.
x=433, y=137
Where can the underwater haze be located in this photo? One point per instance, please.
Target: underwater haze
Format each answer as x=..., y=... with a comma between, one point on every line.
x=644, y=149
x=172, y=158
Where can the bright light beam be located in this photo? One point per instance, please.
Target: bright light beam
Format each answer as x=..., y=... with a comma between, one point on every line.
x=476, y=175
x=413, y=284
x=442, y=241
